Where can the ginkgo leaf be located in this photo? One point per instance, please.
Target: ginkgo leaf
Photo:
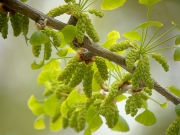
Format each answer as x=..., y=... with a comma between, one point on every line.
x=52, y=65
x=177, y=41
x=34, y=65
x=93, y=119
x=69, y=33
x=121, y=125
x=111, y=39
x=38, y=38
x=132, y=35
x=149, y=3
x=39, y=123
x=146, y=118
x=112, y=4
x=62, y=52
x=174, y=90
x=177, y=54
x=51, y=104
x=36, y=107
x=149, y=23
x=57, y=125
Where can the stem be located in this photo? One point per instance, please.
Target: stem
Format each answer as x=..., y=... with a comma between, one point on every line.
x=160, y=43
x=155, y=101
x=89, y=4
x=114, y=75
x=148, y=13
x=147, y=45
x=83, y=4
x=162, y=35
x=141, y=46
x=165, y=48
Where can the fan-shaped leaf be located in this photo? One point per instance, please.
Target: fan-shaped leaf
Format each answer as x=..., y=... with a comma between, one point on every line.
x=38, y=38
x=174, y=90
x=177, y=41
x=146, y=118
x=112, y=4
x=39, y=123
x=34, y=65
x=177, y=109
x=132, y=35
x=149, y=3
x=177, y=54
x=147, y=24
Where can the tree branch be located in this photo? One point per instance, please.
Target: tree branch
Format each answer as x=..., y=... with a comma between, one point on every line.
x=93, y=48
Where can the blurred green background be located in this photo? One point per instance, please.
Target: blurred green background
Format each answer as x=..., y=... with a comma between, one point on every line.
x=18, y=82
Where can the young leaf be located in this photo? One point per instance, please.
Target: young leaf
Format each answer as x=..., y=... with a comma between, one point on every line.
x=177, y=54
x=63, y=42
x=62, y=52
x=132, y=35
x=87, y=131
x=164, y=105
x=112, y=4
x=69, y=33
x=120, y=98
x=174, y=90
x=93, y=119
x=35, y=106
x=39, y=122
x=121, y=125
x=149, y=3
x=47, y=76
x=147, y=24
x=111, y=39
x=34, y=65
x=57, y=125
x=177, y=41
x=51, y=104
x=52, y=65
x=177, y=109
x=64, y=109
x=146, y=118
x=38, y=38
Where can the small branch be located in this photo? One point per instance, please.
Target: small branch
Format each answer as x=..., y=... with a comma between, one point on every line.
x=93, y=48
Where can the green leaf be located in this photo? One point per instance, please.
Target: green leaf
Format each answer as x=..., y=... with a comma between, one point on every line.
x=120, y=98
x=174, y=90
x=38, y=38
x=164, y=105
x=149, y=3
x=93, y=119
x=111, y=39
x=62, y=52
x=73, y=98
x=177, y=41
x=146, y=118
x=121, y=125
x=177, y=54
x=39, y=123
x=63, y=42
x=132, y=35
x=111, y=4
x=64, y=109
x=147, y=24
x=47, y=77
x=34, y=65
x=69, y=33
x=35, y=106
x=177, y=109
x=52, y=65
x=145, y=104
x=87, y=131
x=51, y=104
x=57, y=125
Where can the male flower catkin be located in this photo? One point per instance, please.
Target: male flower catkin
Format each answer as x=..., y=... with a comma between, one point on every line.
x=81, y=120
x=131, y=58
x=173, y=128
x=160, y=58
x=102, y=67
x=96, y=12
x=70, y=68
x=36, y=50
x=58, y=10
x=78, y=75
x=4, y=29
x=120, y=46
x=132, y=104
x=24, y=24
x=47, y=50
x=87, y=81
x=15, y=19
